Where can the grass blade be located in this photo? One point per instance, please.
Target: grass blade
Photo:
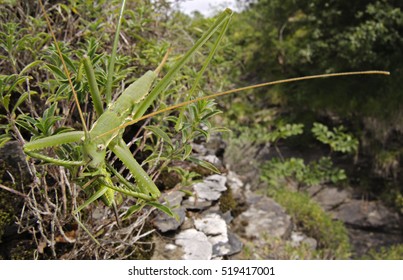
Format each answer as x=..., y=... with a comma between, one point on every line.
x=111, y=66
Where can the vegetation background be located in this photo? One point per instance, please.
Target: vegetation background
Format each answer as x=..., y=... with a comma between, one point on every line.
x=355, y=122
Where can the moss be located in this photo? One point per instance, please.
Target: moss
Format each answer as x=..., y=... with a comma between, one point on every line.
x=227, y=201
x=275, y=248
x=332, y=237
x=392, y=253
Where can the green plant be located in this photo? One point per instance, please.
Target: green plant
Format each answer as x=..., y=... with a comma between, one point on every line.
x=52, y=192
x=338, y=139
x=394, y=252
x=9, y=84
x=331, y=235
x=277, y=172
x=106, y=132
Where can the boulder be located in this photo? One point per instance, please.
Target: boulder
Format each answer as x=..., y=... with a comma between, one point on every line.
x=369, y=214
x=331, y=197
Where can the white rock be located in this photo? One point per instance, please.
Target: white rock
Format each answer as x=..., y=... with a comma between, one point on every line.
x=214, y=227
x=195, y=245
x=211, y=188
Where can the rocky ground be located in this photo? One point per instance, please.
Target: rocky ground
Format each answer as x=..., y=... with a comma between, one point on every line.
x=209, y=229
x=229, y=217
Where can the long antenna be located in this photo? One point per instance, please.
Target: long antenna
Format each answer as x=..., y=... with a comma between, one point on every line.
x=80, y=112
x=173, y=107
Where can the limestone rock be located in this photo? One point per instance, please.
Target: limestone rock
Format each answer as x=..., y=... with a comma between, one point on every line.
x=298, y=238
x=195, y=244
x=213, y=159
x=165, y=223
x=214, y=227
x=371, y=214
x=223, y=241
x=193, y=203
x=331, y=197
x=212, y=224
x=232, y=246
x=236, y=185
x=263, y=218
x=211, y=188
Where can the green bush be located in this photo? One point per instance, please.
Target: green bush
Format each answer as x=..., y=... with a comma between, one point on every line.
x=277, y=172
x=338, y=139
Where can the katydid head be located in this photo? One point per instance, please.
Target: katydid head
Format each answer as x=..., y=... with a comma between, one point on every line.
x=94, y=153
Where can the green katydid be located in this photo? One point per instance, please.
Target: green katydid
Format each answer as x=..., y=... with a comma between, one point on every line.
x=133, y=103
x=106, y=132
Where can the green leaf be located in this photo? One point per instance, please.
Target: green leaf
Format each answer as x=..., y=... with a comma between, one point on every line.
x=20, y=100
x=188, y=150
x=56, y=71
x=164, y=209
x=133, y=209
x=157, y=131
x=31, y=65
x=4, y=138
x=205, y=164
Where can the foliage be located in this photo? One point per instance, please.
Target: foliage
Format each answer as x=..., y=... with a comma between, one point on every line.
x=293, y=38
x=8, y=84
x=337, y=139
x=84, y=28
x=277, y=172
x=285, y=131
x=394, y=252
x=324, y=36
x=331, y=235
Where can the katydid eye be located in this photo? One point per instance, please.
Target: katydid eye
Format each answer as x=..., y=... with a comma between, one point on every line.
x=101, y=147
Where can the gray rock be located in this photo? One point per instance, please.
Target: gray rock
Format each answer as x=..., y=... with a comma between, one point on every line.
x=211, y=188
x=313, y=190
x=174, y=198
x=263, y=218
x=14, y=164
x=298, y=238
x=193, y=203
x=194, y=244
x=227, y=217
x=214, y=227
x=331, y=197
x=165, y=223
x=199, y=148
x=211, y=224
x=236, y=185
x=233, y=246
x=215, y=145
x=213, y=159
x=370, y=214
x=223, y=241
